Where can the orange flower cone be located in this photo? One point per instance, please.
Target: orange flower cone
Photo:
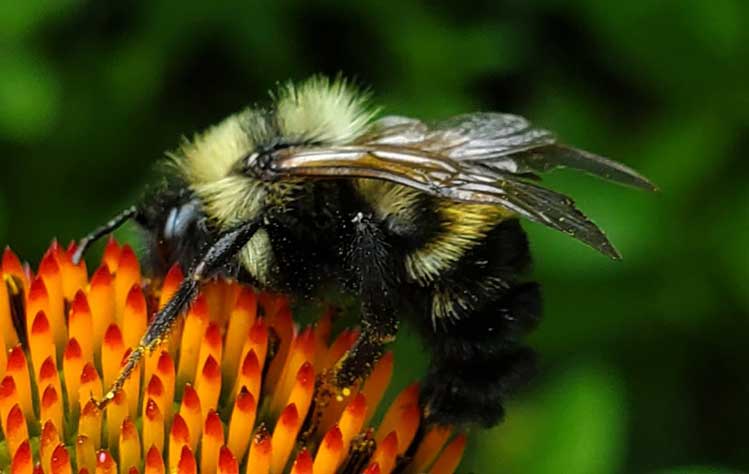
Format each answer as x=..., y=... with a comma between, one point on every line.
x=237, y=391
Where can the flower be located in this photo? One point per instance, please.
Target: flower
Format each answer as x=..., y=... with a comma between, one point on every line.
x=236, y=387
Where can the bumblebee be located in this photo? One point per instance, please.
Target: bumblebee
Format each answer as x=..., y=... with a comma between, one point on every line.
x=414, y=219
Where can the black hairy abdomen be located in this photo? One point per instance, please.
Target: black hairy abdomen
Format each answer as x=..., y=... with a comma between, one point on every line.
x=478, y=357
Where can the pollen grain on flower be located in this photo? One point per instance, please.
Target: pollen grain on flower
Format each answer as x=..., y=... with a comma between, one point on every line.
x=237, y=387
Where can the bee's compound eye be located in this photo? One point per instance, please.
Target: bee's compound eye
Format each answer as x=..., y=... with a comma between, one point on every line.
x=263, y=162
x=250, y=161
x=180, y=220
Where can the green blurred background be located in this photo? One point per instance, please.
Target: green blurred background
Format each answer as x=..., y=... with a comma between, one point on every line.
x=644, y=363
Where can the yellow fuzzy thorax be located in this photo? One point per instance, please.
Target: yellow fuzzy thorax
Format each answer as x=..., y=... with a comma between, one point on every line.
x=330, y=112
x=317, y=110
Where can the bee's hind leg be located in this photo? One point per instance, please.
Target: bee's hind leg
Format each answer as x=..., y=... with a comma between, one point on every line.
x=373, y=273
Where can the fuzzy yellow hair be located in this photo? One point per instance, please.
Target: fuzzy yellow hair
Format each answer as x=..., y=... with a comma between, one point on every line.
x=463, y=226
x=318, y=110
x=326, y=111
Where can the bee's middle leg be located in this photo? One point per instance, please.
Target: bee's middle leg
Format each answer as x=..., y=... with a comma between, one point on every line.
x=373, y=273
x=357, y=363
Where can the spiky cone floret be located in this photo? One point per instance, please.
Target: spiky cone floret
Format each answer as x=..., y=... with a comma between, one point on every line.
x=237, y=387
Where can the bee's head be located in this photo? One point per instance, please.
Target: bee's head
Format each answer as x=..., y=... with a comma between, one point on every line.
x=175, y=225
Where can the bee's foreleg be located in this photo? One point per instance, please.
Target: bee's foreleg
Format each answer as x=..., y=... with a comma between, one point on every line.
x=373, y=271
x=217, y=256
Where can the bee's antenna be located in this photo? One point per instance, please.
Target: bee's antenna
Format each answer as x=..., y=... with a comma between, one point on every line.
x=100, y=232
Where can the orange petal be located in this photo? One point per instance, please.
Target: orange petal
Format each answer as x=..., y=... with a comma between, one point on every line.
x=41, y=342
x=283, y=326
x=51, y=406
x=132, y=385
x=15, y=429
x=258, y=341
x=81, y=326
x=48, y=375
x=90, y=385
x=284, y=436
x=74, y=277
x=105, y=464
x=302, y=351
x=212, y=442
x=227, y=463
x=261, y=453
x=48, y=441
x=111, y=354
x=153, y=426
x=49, y=271
x=221, y=296
x=352, y=420
x=377, y=383
x=241, y=423
x=386, y=453
x=18, y=369
x=171, y=283
x=179, y=438
x=129, y=443
x=211, y=345
x=330, y=453
x=428, y=449
x=302, y=463
x=72, y=366
x=8, y=398
x=60, y=462
x=187, y=464
x=155, y=391
x=166, y=372
x=450, y=458
x=112, y=252
x=250, y=375
x=85, y=453
x=134, y=317
x=6, y=317
x=192, y=334
x=101, y=303
x=241, y=319
x=403, y=416
x=154, y=461
x=127, y=275
x=89, y=424
x=11, y=265
x=22, y=462
x=191, y=412
x=172, y=280
x=304, y=388
x=117, y=412
x=208, y=384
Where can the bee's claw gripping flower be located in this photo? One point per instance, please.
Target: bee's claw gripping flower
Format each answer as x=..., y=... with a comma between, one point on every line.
x=231, y=391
